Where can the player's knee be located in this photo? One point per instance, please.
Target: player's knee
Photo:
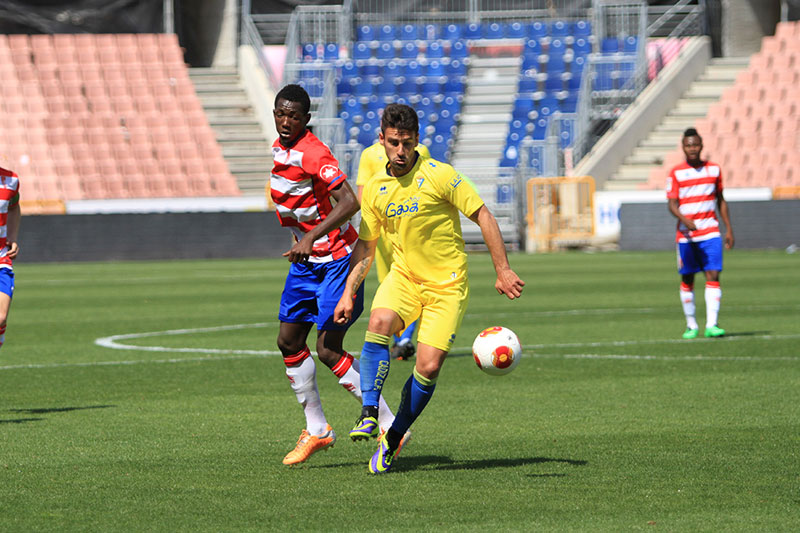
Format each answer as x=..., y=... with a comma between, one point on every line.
x=428, y=369
x=289, y=346
x=382, y=323
x=328, y=356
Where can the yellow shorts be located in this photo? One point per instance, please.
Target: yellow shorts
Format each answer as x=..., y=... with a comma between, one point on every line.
x=439, y=308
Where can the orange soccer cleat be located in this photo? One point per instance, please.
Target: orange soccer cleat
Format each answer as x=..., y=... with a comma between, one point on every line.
x=308, y=444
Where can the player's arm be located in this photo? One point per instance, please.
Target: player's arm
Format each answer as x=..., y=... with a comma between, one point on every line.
x=360, y=262
x=672, y=204
x=346, y=206
x=12, y=228
x=508, y=282
x=725, y=215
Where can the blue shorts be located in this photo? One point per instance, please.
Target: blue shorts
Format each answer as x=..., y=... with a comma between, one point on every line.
x=312, y=291
x=705, y=255
x=7, y=281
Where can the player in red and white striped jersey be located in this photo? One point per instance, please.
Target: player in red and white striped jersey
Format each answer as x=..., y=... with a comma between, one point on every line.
x=10, y=216
x=694, y=193
x=314, y=200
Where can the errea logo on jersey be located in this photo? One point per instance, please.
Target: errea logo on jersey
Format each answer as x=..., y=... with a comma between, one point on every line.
x=382, y=190
x=455, y=182
x=328, y=172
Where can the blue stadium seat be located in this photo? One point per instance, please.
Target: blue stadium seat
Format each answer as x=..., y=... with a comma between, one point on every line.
x=472, y=31
x=427, y=105
x=609, y=45
x=554, y=82
x=518, y=126
x=559, y=28
x=369, y=69
x=574, y=81
x=366, y=135
x=387, y=32
x=309, y=51
x=537, y=30
x=555, y=65
x=392, y=70
x=523, y=105
x=410, y=32
x=570, y=103
x=365, y=32
x=385, y=51
x=557, y=47
x=331, y=52
x=434, y=50
x=348, y=70
x=413, y=69
x=515, y=30
x=431, y=86
x=451, y=32
x=530, y=64
x=582, y=46
x=453, y=86
x=433, y=69
x=582, y=28
x=455, y=68
x=532, y=48
x=527, y=84
x=630, y=44
x=363, y=90
x=625, y=74
x=452, y=105
x=407, y=86
x=540, y=128
x=410, y=50
x=361, y=50
x=459, y=49
x=492, y=30
x=547, y=106
x=604, y=81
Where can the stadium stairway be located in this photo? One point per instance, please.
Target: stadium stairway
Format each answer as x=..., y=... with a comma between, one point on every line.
x=238, y=132
x=486, y=112
x=693, y=105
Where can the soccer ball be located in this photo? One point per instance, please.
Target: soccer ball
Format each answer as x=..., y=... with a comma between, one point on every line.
x=496, y=350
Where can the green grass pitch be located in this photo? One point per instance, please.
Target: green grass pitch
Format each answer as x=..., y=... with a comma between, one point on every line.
x=148, y=397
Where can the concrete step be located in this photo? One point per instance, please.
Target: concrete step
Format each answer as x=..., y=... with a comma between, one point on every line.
x=644, y=157
x=624, y=185
x=633, y=172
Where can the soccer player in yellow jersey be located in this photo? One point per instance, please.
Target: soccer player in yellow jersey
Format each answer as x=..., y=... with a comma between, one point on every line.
x=417, y=202
x=373, y=160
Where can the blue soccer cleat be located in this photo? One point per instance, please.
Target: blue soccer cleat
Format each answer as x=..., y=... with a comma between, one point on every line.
x=381, y=461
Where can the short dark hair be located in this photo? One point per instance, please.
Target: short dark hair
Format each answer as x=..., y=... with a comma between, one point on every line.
x=400, y=117
x=691, y=132
x=294, y=93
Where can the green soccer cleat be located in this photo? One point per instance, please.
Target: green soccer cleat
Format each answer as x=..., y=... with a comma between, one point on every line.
x=715, y=331
x=691, y=333
x=366, y=428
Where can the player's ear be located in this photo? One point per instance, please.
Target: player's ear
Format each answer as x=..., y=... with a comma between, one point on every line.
x=381, y=138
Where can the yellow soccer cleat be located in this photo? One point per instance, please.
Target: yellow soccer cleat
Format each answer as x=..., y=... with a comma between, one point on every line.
x=309, y=444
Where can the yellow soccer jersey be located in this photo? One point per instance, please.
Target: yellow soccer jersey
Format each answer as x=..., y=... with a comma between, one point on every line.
x=373, y=160
x=419, y=212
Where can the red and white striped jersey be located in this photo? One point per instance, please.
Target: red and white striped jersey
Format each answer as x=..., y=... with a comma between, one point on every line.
x=300, y=185
x=696, y=190
x=9, y=197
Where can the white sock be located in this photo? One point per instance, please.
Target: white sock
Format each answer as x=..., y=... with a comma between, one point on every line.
x=713, y=298
x=349, y=375
x=303, y=377
x=687, y=300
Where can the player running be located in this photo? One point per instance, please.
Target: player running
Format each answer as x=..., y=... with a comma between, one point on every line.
x=694, y=192
x=373, y=160
x=416, y=201
x=10, y=216
x=314, y=200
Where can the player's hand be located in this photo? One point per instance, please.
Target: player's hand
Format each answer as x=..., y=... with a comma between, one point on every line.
x=508, y=283
x=343, y=311
x=729, y=240
x=690, y=225
x=13, y=250
x=300, y=252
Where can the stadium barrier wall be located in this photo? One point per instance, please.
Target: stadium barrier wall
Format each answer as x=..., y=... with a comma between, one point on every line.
x=756, y=225
x=154, y=236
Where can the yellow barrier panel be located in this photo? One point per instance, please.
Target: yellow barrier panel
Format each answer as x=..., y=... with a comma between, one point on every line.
x=785, y=193
x=42, y=207
x=560, y=212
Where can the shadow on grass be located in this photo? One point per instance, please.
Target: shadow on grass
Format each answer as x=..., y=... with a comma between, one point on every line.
x=44, y=411
x=20, y=420
x=439, y=462
x=746, y=333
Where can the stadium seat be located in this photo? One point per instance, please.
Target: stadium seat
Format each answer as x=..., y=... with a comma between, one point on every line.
x=630, y=44
x=537, y=30
x=410, y=32
x=452, y=32
x=385, y=51
x=365, y=32
x=434, y=50
x=609, y=45
x=515, y=30
x=472, y=31
x=387, y=32
x=459, y=49
x=492, y=30
x=409, y=50
x=582, y=28
x=559, y=28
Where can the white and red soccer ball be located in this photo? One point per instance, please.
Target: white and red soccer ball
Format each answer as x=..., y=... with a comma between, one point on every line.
x=497, y=350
